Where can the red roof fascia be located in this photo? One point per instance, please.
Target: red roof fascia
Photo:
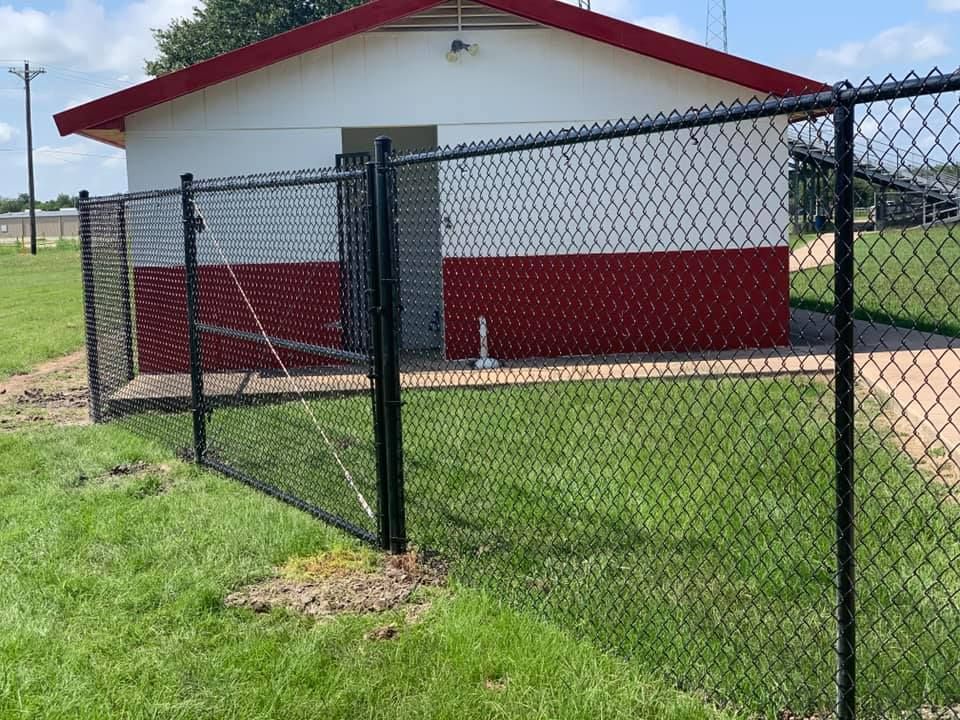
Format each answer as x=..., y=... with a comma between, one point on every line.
x=675, y=51
x=111, y=109
x=235, y=63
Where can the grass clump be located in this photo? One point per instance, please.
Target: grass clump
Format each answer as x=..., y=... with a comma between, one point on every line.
x=339, y=561
x=114, y=607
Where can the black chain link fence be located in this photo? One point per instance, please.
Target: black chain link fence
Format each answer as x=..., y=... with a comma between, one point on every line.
x=687, y=385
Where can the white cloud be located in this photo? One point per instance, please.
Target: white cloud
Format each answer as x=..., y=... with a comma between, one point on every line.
x=48, y=155
x=118, y=160
x=904, y=43
x=944, y=5
x=666, y=24
x=614, y=8
x=628, y=10
x=7, y=132
x=83, y=35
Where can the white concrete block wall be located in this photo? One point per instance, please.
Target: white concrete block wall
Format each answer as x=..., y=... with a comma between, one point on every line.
x=289, y=115
x=717, y=187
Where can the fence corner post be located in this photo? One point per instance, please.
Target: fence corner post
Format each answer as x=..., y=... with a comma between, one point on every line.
x=89, y=306
x=197, y=403
x=845, y=376
x=389, y=362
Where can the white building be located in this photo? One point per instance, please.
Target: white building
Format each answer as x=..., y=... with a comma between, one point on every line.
x=302, y=98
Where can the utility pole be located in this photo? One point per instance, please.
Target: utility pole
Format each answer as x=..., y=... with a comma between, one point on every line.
x=27, y=75
x=717, y=24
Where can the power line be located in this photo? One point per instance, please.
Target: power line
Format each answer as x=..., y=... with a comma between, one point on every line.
x=80, y=79
x=72, y=74
x=52, y=151
x=27, y=76
x=83, y=77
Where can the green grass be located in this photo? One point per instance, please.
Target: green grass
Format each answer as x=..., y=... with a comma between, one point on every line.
x=111, y=598
x=685, y=524
x=703, y=551
x=906, y=278
x=41, y=306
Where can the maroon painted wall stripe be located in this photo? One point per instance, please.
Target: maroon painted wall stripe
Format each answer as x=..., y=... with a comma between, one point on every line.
x=297, y=301
x=547, y=306
x=617, y=303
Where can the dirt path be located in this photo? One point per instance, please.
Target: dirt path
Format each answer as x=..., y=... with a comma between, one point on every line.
x=917, y=376
x=816, y=253
x=54, y=393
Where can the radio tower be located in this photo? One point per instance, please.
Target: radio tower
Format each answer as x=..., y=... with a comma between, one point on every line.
x=585, y=4
x=717, y=24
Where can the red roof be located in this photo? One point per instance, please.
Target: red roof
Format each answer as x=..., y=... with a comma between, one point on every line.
x=103, y=119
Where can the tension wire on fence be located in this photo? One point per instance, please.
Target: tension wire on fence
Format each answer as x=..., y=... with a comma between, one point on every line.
x=306, y=406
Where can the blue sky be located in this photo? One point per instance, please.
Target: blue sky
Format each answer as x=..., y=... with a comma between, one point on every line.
x=90, y=47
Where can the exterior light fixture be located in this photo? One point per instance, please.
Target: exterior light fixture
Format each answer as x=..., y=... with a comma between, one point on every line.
x=458, y=47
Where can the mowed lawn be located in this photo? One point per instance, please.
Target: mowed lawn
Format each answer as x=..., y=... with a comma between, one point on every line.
x=112, y=593
x=909, y=278
x=684, y=524
x=41, y=305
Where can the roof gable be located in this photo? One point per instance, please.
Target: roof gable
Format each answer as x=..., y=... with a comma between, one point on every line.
x=103, y=119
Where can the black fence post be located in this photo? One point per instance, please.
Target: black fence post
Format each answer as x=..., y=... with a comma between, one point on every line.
x=193, y=332
x=845, y=371
x=390, y=357
x=376, y=360
x=126, y=310
x=89, y=306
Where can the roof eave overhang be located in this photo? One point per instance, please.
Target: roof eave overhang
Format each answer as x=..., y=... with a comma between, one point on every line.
x=103, y=119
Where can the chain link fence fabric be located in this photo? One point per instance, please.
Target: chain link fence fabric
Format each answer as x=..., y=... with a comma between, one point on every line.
x=685, y=385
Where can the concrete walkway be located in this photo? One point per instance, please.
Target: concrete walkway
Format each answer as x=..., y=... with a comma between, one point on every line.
x=918, y=371
x=172, y=391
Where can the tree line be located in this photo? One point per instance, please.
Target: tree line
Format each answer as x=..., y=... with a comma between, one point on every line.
x=218, y=26
x=22, y=202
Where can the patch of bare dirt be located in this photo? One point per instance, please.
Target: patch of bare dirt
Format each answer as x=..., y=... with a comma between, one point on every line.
x=387, y=632
x=143, y=479
x=53, y=393
x=934, y=712
x=345, y=582
x=496, y=683
x=790, y=715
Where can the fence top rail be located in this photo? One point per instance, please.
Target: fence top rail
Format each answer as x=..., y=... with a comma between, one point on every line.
x=128, y=197
x=291, y=178
x=808, y=104
x=754, y=109
x=265, y=181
